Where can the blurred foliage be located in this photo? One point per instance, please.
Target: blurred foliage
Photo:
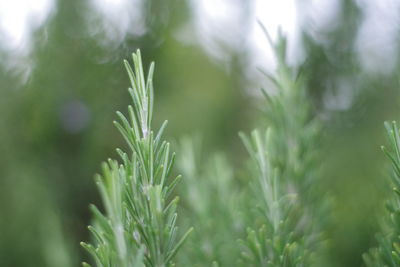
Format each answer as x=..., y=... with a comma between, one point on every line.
x=388, y=251
x=211, y=199
x=47, y=163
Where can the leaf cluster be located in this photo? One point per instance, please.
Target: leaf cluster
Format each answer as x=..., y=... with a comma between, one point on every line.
x=210, y=203
x=138, y=227
x=283, y=164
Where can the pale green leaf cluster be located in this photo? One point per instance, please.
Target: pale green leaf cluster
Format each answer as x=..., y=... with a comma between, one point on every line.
x=138, y=227
x=296, y=133
x=283, y=167
x=283, y=239
x=212, y=201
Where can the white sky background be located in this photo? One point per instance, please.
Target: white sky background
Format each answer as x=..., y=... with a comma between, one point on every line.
x=120, y=18
x=222, y=21
x=378, y=35
x=18, y=18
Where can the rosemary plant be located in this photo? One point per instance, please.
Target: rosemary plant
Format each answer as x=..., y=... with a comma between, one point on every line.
x=210, y=203
x=138, y=227
x=284, y=165
x=280, y=240
x=388, y=251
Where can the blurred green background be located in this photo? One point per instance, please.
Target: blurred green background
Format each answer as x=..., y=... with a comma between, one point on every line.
x=62, y=80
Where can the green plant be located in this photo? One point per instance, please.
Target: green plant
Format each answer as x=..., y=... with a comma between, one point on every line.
x=284, y=165
x=388, y=251
x=210, y=202
x=138, y=227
